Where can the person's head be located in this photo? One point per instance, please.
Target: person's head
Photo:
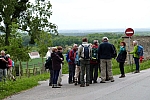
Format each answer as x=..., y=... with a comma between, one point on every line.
x=8, y=55
x=84, y=39
x=105, y=39
x=75, y=46
x=3, y=53
x=122, y=44
x=135, y=43
x=95, y=42
x=54, y=49
x=60, y=48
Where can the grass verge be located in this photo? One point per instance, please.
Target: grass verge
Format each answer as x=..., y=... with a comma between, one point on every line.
x=12, y=87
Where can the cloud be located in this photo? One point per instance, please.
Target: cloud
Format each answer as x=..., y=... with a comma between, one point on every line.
x=94, y=14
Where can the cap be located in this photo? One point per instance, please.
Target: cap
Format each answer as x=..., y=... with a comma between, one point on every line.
x=8, y=55
x=105, y=38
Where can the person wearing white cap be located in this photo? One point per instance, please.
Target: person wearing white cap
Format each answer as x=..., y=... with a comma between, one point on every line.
x=10, y=75
x=105, y=51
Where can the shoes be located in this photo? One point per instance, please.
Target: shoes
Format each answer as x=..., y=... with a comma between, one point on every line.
x=122, y=76
x=50, y=84
x=137, y=71
x=14, y=79
x=90, y=82
x=82, y=85
x=55, y=86
x=102, y=82
x=59, y=84
x=112, y=80
x=95, y=81
x=87, y=84
x=70, y=82
x=107, y=79
x=75, y=83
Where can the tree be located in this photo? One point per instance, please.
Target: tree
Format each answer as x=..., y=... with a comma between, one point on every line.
x=16, y=49
x=37, y=19
x=10, y=10
x=43, y=42
x=30, y=17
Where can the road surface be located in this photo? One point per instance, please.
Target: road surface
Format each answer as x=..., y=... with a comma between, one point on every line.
x=132, y=87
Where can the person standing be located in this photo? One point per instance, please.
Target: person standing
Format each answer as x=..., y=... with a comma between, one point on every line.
x=121, y=58
x=85, y=53
x=94, y=63
x=56, y=65
x=3, y=65
x=77, y=70
x=72, y=65
x=60, y=50
x=136, y=56
x=10, y=75
x=105, y=53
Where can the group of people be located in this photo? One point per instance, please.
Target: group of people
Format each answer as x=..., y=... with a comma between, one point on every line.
x=89, y=59
x=6, y=65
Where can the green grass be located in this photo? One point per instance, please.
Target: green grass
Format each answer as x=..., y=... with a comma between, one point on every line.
x=12, y=87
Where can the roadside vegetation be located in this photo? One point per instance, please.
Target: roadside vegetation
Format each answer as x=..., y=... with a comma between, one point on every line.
x=12, y=87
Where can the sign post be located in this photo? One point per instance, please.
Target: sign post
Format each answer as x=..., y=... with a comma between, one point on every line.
x=129, y=32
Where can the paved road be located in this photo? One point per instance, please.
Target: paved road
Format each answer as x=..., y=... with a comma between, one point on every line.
x=132, y=87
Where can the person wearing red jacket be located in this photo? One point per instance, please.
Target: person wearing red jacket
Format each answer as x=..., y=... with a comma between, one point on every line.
x=72, y=55
x=10, y=75
x=94, y=64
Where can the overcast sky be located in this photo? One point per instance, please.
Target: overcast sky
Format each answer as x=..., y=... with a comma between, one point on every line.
x=100, y=14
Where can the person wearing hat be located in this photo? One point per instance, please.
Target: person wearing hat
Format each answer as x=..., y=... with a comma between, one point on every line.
x=10, y=75
x=105, y=51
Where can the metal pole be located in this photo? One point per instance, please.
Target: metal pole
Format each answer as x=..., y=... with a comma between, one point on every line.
x=129, y=55
x=129, y=51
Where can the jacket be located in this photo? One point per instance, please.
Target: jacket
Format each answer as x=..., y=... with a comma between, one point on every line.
x=134, y=52
x=105, y=51
x=72, y=56
x=9, y=63
x=122, y=55
x=56, y=61
x=81, y=53
x=3, y=65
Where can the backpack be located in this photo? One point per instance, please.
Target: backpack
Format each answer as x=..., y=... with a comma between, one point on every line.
x=140, y=50
x=86, y=52
x=48, y=63
x=13, y=63
x=94, y=53
x=114, y=53
x=67, y=56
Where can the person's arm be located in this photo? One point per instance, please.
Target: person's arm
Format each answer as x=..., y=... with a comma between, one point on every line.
x=99, y=52
x=134, y=50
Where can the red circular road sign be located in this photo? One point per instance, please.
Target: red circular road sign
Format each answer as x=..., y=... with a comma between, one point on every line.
x=129, y=32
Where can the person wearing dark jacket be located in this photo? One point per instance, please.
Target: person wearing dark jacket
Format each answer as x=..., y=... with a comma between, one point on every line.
x=121, y=58
x=72, y=56
x=3, y=65
x=49, y=65
x=60, y=50
x=94, y=64
x=56, y=65
x=105, y=52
